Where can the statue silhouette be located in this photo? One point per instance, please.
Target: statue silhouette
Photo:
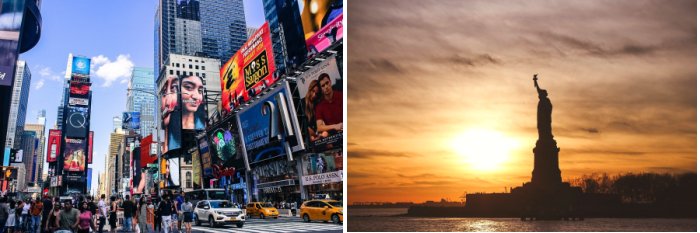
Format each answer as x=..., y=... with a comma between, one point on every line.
x=544, y=113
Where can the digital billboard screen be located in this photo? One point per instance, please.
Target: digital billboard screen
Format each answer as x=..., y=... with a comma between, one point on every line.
x=325, y=37
x=192, y=98
x=171, y=118
x=170, y=171
x=249, y=71
x=74, y=155
x=81, y=65
x=321, y=97
x=131, y=120
x=76, y=122
x=79, y=89
x=316, y=14
x=205, y=155
x=12, y=12
x=268, y=124
x=89, y=158
x=225, y=142
x=146, y=156
x=54, y=146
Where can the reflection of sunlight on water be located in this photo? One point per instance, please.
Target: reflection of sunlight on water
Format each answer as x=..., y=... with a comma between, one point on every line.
x=480, y=225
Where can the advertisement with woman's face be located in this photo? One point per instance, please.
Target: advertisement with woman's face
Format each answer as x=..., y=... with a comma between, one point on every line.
x=170, y=113
x=170, y=172
x=192, y=99
x=312, y=94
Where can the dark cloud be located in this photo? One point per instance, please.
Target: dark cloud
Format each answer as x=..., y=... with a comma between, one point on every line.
x=368, y=153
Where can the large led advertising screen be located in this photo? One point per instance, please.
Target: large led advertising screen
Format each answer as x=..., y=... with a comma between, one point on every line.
x=316, y=14
x=170, y=171
x=89, y=158
x=79, y=89
x=171, y=119
x=131, y=120
x=146, y=156
x=325, y=37
x=11, y=12
x=225, y=142
x=54, y=145
x=74, y=155
x=76, y=122
x=207, y=169
x=192, y=98
x=321, y=97
x=81, y=65
x=268, y=124
x=249, y=71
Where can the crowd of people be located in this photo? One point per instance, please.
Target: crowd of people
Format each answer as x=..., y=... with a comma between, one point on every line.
x=171, y=213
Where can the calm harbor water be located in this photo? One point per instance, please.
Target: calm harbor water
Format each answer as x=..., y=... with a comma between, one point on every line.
x=385, y=220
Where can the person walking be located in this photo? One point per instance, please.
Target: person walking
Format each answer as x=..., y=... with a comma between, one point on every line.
x=68, y=218
x=187, y=217
x=157, y=218
x=129, y=209
x=85, y=219
x=4, y=213
x=35, y=212
x=179, y=201
x=142, y=215
x=102, y=214
x=165, y=210
x=52, y=220
x=11, y=218
x=47, y=208
x=19, y=220
x=113, y=215
x=150, y=214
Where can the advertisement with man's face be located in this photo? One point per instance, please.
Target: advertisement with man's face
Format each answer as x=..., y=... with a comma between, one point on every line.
x=76, y=122
x=54, y=145
x=74, y=155
x=263, y=129
x=321, y=98
x=171, y=119
x=192, y=99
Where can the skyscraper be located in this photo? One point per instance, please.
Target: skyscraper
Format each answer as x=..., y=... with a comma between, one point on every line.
x=18, y=106
x=28, y=146
x=286, y=31
x=214, y=29
x=38, y=156
x=141, y=98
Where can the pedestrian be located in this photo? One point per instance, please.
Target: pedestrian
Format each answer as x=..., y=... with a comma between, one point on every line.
x=165, y=210
x=129, y=209
x=68, y=218
x=175, y=215
x=19, y=216
x=187, y=217
x=113, y=215
x=180, y=200
x=150, y=214
x=85, y=219
x=11, y=218
x=48, y=207
x=157, y=218
x=142, y=213
x=36, y=211
x=4, y=213
x=102, y=214
x=52, y=221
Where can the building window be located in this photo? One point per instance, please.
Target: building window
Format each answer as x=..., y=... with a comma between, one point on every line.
x=188, y=180
x=190, y=66
x=197, y=74
x=178, y=72
x=171, y=71
x=191, y=73
x=204, y=76
x=177, y=65
x=196, y=67
x=203, y=68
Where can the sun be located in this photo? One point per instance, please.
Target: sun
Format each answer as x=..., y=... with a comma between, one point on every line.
x=484, y=149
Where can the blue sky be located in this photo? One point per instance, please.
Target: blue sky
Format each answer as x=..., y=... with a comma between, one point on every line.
x=117, y=35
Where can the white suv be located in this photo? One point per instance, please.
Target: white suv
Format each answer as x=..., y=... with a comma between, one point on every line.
x=218, y=212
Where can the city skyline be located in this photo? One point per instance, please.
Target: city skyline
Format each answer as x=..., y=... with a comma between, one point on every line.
x=456, y=112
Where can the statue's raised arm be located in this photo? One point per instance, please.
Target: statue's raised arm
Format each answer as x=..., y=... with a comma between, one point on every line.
x=536, y=86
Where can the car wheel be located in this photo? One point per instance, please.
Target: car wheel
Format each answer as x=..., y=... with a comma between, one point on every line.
x=262, y=216
x=239, y=225
x=196, y=220
x=306, y=218
x=211, y=222
x=335, y=219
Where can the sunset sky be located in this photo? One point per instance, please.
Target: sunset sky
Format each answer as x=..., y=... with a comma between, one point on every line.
x=441, y=98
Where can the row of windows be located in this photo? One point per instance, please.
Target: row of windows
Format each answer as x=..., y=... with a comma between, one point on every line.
x=196, y=67
x=191, y=73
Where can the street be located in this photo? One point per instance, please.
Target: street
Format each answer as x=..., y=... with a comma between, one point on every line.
x=282, y=224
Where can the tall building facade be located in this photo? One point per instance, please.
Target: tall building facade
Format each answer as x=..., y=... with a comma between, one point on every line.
x=286, y=32
x=115, y=139
x=38, y=156
x=28, y=146
x=213, y=28
x=18, y=106
x=141, y=98
x=207, y=68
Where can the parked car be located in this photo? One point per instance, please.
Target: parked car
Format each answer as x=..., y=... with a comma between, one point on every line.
x=218, y=212
x=322, y=210
x=262, y=209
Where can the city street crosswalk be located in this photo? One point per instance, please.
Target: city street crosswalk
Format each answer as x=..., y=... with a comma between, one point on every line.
x=283, y=224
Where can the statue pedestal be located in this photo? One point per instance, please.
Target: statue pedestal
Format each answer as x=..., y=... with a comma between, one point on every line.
x=546, y=171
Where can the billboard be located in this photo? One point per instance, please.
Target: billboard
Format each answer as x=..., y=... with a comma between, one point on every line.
x=192, y=99
x=269, y=127
x=326, y=36
x=76, y=122
x=81, y=66
x=316, y=14
x=78, y=101
x=89, y=179
x=321, y=97
x=79, y=89
x=196, y=169
x=11, y=13
x=146, y=156
x=89, y=156
x=249, y=71
x=131, y=120
x=74, y=155
x=225, y=141
x=171, y=121
x=54, y=146
x=207, y=169
x=170, y=171
x=135, y=169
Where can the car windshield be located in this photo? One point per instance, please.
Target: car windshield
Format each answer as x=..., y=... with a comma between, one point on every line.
x=220, y=204
x=217, y=195
x=266, y=205
x=336, y=203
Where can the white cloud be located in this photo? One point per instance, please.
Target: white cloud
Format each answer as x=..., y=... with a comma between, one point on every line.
x=39, y=84
x=111, y=71
x=46, y=72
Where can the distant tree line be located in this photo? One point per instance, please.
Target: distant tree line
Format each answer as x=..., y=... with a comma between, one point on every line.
x=642, y=188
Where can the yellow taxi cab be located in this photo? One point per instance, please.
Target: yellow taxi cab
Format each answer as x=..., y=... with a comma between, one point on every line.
x=322, y=210
x=262, y=209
